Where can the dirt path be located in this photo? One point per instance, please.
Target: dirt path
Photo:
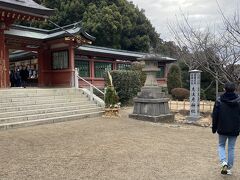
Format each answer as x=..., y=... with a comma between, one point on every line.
x=104, y=148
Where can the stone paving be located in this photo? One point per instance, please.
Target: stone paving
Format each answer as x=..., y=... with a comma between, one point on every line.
x=111, y=148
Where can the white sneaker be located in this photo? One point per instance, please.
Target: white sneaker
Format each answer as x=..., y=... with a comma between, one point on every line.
x=224, y=168
x=229, y=172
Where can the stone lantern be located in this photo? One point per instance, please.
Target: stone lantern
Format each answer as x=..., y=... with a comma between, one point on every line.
x=151, y=104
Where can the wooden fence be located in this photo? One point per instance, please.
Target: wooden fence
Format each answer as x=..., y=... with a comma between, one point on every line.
x=205, y=106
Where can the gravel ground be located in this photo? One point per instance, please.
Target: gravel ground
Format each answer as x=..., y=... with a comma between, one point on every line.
x=111, y=148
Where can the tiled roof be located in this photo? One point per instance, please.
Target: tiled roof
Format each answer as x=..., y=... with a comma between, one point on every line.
x=22, y=55
x=27, y=7
x=119, y=54
x=42, y=34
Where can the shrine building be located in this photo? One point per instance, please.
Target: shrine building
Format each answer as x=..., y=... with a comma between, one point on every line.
x=54, y=54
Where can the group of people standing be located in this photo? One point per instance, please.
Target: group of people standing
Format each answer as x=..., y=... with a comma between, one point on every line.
x=20, y=75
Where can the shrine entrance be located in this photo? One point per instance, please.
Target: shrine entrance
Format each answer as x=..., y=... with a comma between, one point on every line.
x=23, y=68
x=48, y=55
x=11, y=67
x=22, y=72
x=11, y=11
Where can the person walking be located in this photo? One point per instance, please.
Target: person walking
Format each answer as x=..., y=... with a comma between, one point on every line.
x=226, y=122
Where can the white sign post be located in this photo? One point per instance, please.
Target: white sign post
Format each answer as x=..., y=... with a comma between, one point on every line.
x=195, y=81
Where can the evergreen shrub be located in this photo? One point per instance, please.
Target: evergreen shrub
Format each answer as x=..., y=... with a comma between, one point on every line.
x=174, y=78
x=138, y=66
x=111, y=97
x=127, y=84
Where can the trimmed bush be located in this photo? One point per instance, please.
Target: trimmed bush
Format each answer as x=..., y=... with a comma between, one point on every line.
x=138, y=66
x=180, y=93
x=174, y=78
x=127, y=84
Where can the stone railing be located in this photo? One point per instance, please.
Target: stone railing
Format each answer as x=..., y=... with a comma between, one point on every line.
x=90, y=90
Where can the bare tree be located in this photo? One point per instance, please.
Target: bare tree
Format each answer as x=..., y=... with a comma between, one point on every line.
x=232, y=27
x=216, y=52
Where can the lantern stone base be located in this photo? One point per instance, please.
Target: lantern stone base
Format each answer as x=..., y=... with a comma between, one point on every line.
x=154, y=110
x=191, y=119
x=166, y=118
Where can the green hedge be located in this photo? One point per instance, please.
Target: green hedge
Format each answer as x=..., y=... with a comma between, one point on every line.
x=180, y=93
x=174, y=78
x=127, y=83
x=137, y=66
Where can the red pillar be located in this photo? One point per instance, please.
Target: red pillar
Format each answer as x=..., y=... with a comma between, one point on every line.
x=7, y=67
x=41, y=68
x=44, y=68
x=114, y=65
x=4, y=70
x=71, y=65
x=92, y=70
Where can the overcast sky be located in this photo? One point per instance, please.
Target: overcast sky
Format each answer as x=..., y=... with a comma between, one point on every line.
x=199, y=12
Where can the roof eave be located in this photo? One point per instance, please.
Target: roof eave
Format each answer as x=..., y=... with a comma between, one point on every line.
x=55, y=33
x=120, y=54
x=114, y=56
x=88, y=36
x=131, y=57
x=22, y=55
x=42, y=13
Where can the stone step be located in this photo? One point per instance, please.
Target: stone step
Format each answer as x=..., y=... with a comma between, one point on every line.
x=36, y=94
x=26, y=94
x=29, y=90
x=6, y=126
x=38, y=90
x=48, y=115
x=43, y=110
x=40, y=106
x=49, y=97
x=34, y=106
x=42, y=101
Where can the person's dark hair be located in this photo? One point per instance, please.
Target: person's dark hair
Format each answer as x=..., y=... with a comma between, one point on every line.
x=230, y=87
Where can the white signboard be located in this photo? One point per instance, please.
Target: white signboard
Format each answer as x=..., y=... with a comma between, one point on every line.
x=195, y=80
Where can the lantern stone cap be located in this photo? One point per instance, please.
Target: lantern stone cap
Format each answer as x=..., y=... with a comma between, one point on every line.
x=156, y=57
x=195, y=71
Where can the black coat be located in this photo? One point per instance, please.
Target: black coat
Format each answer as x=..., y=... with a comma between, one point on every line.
x=226, y=115
x=24, y=74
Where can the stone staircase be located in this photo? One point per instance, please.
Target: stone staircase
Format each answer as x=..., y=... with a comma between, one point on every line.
x=35, y=106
